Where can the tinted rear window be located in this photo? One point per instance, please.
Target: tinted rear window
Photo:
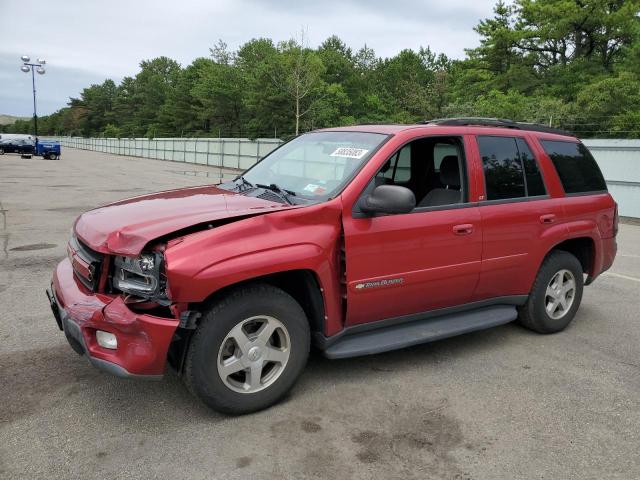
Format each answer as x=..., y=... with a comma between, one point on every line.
x=577, y=169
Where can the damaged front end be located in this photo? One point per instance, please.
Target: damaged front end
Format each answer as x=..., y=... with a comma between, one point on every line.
x=140, y=340
x=142, y=276
x=112, y=295
x=115, y=309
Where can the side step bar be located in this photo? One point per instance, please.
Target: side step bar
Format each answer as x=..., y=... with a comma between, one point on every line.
x=420, y=331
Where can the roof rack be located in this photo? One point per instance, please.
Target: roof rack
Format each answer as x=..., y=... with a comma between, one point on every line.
x=495, y=122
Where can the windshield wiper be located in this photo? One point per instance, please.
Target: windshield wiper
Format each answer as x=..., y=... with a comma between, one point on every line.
x=245, y=182
x=282, y=192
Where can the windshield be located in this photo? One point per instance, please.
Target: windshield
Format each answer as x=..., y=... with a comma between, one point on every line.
x=315, y=166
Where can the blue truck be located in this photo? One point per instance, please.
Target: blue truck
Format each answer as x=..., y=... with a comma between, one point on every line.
x=49, y=149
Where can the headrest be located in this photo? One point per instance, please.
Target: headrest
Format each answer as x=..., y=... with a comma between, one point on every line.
x=450, y=171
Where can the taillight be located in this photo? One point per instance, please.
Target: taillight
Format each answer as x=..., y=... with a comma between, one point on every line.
x=615, y=220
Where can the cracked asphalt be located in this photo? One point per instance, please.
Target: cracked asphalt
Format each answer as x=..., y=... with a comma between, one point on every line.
x=504, y=403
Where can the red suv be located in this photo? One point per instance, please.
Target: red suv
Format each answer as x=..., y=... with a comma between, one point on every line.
x=357, y=240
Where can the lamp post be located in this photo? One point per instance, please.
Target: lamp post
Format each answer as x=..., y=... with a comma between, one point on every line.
x=27, y=67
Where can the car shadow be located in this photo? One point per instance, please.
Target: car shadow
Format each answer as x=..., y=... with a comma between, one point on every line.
x=57, y=378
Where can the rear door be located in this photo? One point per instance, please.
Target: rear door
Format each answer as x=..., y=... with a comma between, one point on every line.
x=517, y=214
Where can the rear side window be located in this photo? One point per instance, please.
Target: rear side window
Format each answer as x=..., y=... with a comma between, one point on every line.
x=577, y=169
x=502, y=168
x=510, y=169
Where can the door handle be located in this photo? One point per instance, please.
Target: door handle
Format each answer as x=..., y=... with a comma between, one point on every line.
x=550, y=218
x=465, y=229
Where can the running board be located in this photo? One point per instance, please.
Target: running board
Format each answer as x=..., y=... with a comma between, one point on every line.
x=420, y=331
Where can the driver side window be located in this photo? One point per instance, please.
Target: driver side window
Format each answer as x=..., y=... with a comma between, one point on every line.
x=433, y=168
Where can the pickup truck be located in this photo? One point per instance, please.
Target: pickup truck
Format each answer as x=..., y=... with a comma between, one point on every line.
x=354, y=240
x=42, y=148
x=21, y=146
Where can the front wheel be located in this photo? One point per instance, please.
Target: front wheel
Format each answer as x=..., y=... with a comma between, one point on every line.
x=1, y=151
x=248, y=350
x=556, y=294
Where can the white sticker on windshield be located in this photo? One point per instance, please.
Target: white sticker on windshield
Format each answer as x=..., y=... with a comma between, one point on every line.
x=317, y=189
x=349, y=152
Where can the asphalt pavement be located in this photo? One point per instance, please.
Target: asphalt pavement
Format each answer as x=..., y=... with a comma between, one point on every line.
x=503, y=403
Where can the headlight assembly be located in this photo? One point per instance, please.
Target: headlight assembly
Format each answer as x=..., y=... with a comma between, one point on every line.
x=140, y=275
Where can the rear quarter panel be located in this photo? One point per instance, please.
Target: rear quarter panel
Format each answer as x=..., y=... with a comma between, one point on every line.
x=587, y=215
x=592, y=216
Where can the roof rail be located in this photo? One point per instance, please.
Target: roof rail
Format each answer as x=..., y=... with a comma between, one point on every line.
x=495, y=122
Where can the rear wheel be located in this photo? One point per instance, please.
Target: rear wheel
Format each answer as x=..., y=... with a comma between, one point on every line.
x=556, y=294
x=248, y=350
x=52, y=156
x=1, y=151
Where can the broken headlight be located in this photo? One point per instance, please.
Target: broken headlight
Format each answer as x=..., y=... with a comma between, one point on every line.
x=140, y=276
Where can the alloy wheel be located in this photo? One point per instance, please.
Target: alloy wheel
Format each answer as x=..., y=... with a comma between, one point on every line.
x=254, y=354
x=560, y=294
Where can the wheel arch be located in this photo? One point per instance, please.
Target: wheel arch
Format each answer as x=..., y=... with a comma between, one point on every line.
x=583, y=248
x=302, y=284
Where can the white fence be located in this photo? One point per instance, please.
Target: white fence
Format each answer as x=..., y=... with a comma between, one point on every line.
x=618, y=159
x=239, y=153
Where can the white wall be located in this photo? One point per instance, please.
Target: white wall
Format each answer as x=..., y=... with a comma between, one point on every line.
x=239, y=153
x=619, y=161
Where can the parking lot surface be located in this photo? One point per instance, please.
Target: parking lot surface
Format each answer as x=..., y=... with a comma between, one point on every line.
x=503, y=403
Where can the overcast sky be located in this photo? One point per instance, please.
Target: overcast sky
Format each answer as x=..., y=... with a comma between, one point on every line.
x=87, y=41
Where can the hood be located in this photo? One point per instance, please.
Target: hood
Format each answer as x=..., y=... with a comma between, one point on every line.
x=125, y=227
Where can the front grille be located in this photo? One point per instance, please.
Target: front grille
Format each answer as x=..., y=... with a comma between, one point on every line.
x=87, y=263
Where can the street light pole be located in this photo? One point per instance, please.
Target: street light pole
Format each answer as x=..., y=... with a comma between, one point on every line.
x=33, y=67
x=35, y=113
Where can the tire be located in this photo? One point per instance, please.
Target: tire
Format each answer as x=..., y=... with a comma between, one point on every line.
x=214, y=347
x=1, y=151
x=544, y=311
x=52, y=156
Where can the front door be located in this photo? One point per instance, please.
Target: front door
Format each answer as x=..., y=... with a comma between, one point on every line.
x=428, y=259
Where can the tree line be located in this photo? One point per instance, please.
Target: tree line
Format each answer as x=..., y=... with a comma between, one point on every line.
x=573, y=64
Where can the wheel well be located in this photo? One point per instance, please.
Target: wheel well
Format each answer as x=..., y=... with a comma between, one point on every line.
x=582, y=248
x=302, y=285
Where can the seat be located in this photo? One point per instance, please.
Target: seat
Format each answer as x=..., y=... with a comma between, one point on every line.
x=450, y=178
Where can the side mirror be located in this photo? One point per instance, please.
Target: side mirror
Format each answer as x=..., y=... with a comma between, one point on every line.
x=388, y=199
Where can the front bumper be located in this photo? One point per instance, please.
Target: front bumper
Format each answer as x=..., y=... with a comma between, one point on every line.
x=143, y=340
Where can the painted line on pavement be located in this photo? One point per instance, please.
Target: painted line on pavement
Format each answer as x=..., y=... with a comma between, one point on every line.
x=618, y=275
